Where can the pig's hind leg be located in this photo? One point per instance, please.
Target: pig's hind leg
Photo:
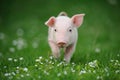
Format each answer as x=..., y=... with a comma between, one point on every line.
x=69, y=52
x=55, y=49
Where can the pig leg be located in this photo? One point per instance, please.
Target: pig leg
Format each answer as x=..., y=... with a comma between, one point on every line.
x=55, y=49
x=69, y=52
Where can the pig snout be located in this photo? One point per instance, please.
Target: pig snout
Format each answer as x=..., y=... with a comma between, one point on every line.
x=61, y=44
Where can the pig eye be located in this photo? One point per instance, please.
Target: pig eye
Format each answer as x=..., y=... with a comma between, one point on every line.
x=55, y=30
x=70, y=30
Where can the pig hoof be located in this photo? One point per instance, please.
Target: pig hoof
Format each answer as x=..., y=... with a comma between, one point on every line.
x=56, y=56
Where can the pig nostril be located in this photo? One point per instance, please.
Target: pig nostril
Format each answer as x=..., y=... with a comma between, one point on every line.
x=61, y=44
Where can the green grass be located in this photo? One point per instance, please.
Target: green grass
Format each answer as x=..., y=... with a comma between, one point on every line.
x=26, y=55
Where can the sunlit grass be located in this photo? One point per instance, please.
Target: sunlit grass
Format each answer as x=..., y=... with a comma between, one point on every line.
x=49, y=68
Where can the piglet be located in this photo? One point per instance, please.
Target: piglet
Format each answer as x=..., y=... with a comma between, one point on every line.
x=63, y=34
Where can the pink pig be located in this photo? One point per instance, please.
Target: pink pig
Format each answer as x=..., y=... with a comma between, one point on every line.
x=63, y=34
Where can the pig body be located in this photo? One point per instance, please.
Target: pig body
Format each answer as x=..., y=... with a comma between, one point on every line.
x=63, y=34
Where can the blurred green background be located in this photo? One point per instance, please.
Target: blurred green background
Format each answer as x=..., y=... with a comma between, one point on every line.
x=23, y=38
x=25, y=19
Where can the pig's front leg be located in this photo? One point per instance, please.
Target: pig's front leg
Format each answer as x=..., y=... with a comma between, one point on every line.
x=55, y=49
x=69, y=52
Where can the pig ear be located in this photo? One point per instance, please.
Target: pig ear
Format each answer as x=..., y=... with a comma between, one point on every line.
x=77, y=19
x=50, y=22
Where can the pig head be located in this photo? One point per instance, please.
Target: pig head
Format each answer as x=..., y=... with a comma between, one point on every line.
x=63, y=34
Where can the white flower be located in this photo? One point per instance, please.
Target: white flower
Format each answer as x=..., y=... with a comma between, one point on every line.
x=27, y=74
x=117, y=71
x=106, y=69
x=51, y=57
x=2, y=36
x=21, y=58
x=12, y=49
x=73, y=63
x=117, y=61
x=52, y=62
x=60, y=64
x=13, y=73
x=89, y=71
x=14, y=42
x=15, y=60
x=107, y=74
x=116, y=64
x=10, y=77
x=111, y=60
x=25, y=69
x=51, y=67
x=65, y=72
x=46, y=60
x=22, y=75
x=82, y=72
x=118, y=55
x=46, y=72
x=99, y=77
x=17, y=71
x=20, y=43
x=10, y=59
x=65, y=64
x=5, y=66
x=93, y=64
x=40, y=57
x=6, y=74
x=72, y=70
x=39, y=76
x=41, y=63
x=37, y=60
x=36, y=65
x=97, y=50
x=17, y=67
x=94, y=71
x=59, y=74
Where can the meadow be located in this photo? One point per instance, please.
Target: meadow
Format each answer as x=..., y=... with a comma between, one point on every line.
x=26, y=55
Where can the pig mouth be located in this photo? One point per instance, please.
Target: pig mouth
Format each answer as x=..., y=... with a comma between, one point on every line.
x=61, y=46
